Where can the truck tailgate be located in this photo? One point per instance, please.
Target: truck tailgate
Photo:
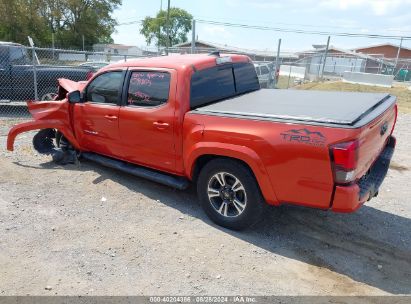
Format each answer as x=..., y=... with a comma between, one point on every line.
x=373, y=138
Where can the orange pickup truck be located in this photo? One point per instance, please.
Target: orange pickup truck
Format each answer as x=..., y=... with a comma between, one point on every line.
x=204, y=119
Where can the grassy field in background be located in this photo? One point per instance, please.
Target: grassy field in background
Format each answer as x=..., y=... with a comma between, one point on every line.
x=284, y=83
x=402, y=92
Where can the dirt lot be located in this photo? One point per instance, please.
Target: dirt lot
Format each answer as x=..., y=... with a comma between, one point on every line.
x=91, y=230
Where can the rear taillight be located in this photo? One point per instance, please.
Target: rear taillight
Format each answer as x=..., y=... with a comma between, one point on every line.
x=89, y=75
x=345, y=158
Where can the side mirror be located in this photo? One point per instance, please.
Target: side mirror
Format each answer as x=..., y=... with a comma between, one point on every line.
x=74, y=97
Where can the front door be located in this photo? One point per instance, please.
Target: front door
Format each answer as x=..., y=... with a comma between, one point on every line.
x=96, y=120
x=147, y=118
x=6, y=89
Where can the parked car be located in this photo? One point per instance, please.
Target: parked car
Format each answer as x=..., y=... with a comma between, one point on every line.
x=203, y=119
x=96, y=65
x=17, y=75
x=263, y=73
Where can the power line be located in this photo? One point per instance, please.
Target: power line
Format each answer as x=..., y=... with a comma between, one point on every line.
x=270, y=23
x=296, y=31
x=290, y=30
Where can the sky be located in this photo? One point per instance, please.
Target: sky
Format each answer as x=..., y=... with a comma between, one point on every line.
x=385, y=17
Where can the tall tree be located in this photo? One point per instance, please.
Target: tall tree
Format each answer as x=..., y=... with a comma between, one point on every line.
x=155, y=29
x=68, y=20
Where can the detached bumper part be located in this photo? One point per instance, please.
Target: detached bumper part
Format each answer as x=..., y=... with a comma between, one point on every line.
x=350, y=198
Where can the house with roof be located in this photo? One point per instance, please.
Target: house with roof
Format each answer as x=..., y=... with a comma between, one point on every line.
x=340, y=60
x=389, y=52
x=118, y=49
x=386, y=50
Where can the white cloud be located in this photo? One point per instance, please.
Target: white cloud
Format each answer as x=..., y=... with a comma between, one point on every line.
x=215, y=31
x=259, y=4
x=378, y=7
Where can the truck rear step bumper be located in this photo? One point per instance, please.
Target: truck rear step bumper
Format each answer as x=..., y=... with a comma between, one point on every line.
x=350, y=198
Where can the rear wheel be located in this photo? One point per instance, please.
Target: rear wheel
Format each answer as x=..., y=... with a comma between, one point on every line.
x=229, y=194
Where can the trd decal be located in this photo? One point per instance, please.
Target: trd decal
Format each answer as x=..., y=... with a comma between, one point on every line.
x=304, y=136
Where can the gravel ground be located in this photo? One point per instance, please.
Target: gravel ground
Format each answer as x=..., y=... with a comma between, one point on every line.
x=87, y=229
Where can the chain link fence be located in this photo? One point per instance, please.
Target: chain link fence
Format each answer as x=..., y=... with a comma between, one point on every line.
x=31, y=73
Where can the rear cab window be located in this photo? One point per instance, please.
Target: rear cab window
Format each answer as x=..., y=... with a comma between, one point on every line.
x=222, y=81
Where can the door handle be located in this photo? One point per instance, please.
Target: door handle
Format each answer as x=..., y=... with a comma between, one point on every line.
x=161, y=125
x=110, y=117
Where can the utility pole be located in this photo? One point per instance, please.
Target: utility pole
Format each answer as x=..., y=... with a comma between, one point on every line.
x=325, y=57
x=83, y=41
x=159, y=30
x=168, y=27
x=193, y=37
x=398, y=56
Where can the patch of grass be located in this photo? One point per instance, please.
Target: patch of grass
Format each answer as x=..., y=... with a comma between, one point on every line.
x=284, y=83
x=402, y=92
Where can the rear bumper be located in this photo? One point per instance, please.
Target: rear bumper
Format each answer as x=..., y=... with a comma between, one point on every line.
x=350, y=198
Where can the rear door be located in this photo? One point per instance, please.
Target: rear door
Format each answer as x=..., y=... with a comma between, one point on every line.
x=22, y=74
x=96, y=120
x=147, y=118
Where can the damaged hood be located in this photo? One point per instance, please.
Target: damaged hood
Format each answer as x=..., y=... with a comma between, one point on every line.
x=70, y=85
x=55, y=109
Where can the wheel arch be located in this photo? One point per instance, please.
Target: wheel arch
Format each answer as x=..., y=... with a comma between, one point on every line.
x=38, y=125
x=200, y=156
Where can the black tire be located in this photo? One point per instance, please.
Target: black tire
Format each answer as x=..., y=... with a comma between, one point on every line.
x=47, y=94
x=231, y=169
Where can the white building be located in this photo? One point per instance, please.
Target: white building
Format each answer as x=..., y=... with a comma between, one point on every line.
x=118, y=49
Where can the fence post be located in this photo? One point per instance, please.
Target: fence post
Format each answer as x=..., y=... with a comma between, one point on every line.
x=273, y=76
x=398, y=56
x=289, y=76
x=34, y=69
x=325, y=58
x=52, y=44
x=193, y=37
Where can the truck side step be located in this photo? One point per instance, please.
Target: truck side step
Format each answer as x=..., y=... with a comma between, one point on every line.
x=176, y=182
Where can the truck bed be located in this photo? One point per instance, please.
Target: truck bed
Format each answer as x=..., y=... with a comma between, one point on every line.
x=339, y=109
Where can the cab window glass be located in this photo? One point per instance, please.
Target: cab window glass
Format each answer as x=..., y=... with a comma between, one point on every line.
x=148, y=89
x=264, y=70
x=219, y=82
x=105, y=88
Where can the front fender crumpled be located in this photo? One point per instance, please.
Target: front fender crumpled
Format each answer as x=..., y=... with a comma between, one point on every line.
x=39, y=125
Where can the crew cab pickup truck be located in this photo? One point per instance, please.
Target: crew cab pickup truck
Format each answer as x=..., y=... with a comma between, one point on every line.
x=203, y=119
x=17, y=75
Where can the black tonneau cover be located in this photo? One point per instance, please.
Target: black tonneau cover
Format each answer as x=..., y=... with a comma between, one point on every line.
x=349, y=109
